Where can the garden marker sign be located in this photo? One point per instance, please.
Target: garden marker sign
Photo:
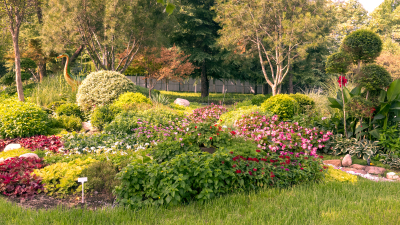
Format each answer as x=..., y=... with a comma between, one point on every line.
x=82, y=180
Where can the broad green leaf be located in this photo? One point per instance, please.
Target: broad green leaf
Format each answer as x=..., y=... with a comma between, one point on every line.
x=375, y=133
x=394, y=90
x=379, y=117
x=170, y=8
x=356, y=91
x=346, y=94
x=382, y=96
x=335, y=103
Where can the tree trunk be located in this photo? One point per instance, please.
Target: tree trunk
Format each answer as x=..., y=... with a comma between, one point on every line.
x=290, y=83
x=42, y=70
x=359, y=67
x=167, y=85
x=255, y=89
x=145, y=82
x=17, y=54
x=76, y=53
x=204, y=80
x=274, y=90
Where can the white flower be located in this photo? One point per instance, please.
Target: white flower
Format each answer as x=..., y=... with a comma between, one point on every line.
x=128, y=147
x=146, y=144
x=224, y=126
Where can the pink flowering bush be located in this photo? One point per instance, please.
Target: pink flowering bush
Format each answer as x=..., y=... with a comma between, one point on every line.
x=272, y=135
x=41, y=142
x=209, y=113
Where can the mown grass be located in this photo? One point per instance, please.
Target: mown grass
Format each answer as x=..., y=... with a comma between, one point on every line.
x=216, y=98
x=366, y=202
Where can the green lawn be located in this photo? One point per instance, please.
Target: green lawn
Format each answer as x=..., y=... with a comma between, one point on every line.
x=366, y=202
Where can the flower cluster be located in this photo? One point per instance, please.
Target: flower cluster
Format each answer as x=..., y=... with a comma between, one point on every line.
x=271, y=134
x=16, y=178
x=342, y=81
x=209, y=113
x=41, y=142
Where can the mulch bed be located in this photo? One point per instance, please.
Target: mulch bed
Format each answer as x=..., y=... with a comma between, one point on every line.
x=43, y=201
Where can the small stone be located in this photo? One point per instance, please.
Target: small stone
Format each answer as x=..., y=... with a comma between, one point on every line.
x=181, y=101
x=88, y=126
x=375, y=170
x=360, y=171
x=347, y=161
x=358, y=166
x=29, y=155
x=392, y=176
x=10, y=147
x=334, y=162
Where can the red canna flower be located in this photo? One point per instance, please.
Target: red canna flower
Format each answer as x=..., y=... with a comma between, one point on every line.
x=342, y=81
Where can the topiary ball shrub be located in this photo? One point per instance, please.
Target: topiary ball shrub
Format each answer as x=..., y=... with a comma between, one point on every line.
x=69, y=109
x=259, y=99
x=282, y=105
x=363, y=45
x=305, y=102
x=22, y=119
x=102, y=87
x=103, y=115
x=374, y=77
x=130, y=98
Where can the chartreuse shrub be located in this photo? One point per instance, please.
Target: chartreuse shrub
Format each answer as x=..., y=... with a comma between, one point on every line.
x=69, y=109
x=339, y=175
x=125, y=122
x=60, y=178
x=259, y=99
x=14, y=153
x=103, y=87
x=21, y=119
x=130, y=98
x=54, y=105
x=202, y=176
x=282, y=105
x=229, y=118
x=305, y=102
x=102, y=115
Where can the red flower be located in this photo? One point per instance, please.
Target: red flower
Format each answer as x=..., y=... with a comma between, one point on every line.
x=217, y=133
x=195, y=127
x=272, y=174
x=288, y=157
x=215, y=125
x=210, y=138
x=321, y=157
x=250, y=173
x=281, y=157
x=233, y=132
x=255, y=169
x=305, y=157
x=234, y=166
x=301, y=168
x=231, y=152
x=238, y=171
x=342, y=81
x=222, y=162
x=210, y=127
x=258, y=150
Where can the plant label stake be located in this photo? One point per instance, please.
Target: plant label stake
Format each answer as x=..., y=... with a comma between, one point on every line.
x=82, y=180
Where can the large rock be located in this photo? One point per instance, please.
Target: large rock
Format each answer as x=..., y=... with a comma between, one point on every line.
x=29, y=155
x=87, y=126
x=347, y=161
x=392, y=176
x=181, y=101
x=335, y=162
x=360, y=171
x=374, y=170
x=358, y=166
x=10, y=147
x=349, y=169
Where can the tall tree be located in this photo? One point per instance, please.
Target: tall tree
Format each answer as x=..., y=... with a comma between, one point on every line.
x=278, y=30
x=15, y=11
x=196, y=34
x=105, y=27
x=385, y=19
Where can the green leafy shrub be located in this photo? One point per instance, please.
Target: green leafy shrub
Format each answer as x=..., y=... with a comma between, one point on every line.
x=61, y=178
x=103, y=87
x=21, y=119
x=305, y=102
x=9, y=78
x=130, y=98
x=229, y=118
x=282, y=105
x=202, y=176
x=125, y=122
x=102, y=115
x=69, y=109
x=362, y=45
x=70, y=123
x=243, y=103
x=54, y=105
x=360, y=107
x=101, y=177
x=338, y=145
x=258, y=99
x=160, y=115
x=374, y=77
x=28, y=88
